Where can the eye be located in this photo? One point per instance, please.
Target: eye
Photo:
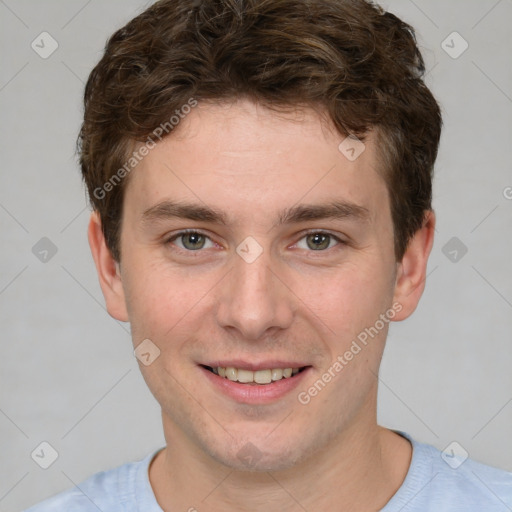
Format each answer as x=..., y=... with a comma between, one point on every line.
x=191, y=240
x=319, y=241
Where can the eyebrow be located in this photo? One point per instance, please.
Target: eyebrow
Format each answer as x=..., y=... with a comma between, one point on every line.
x=336, y=209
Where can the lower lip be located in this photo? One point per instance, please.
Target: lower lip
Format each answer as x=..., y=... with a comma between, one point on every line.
x=255, y=393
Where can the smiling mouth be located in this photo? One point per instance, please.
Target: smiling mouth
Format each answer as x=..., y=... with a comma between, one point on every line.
x=261, y=377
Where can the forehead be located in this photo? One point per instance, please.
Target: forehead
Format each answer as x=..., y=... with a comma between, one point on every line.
x=237, y=155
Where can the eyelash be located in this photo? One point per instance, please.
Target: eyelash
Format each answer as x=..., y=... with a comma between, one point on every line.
x=198, y=232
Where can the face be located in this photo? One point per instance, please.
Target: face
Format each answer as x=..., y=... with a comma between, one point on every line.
x=251, y=245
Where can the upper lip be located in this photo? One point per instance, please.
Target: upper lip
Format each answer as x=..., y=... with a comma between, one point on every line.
x=252, y=366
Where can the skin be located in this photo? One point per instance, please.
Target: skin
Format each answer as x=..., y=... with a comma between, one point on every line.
x=294, y=302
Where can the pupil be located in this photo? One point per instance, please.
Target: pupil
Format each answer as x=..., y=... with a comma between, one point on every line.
x=194, y=239
x=319, y=241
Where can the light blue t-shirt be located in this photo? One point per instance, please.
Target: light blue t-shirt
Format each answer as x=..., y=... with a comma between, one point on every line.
x=431, y=485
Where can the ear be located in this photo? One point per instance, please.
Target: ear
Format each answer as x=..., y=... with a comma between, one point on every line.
x=412, y=270
x=108, y=271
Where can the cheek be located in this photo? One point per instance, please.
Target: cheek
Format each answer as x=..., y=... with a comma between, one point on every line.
x=346, y=300
x=158, y=299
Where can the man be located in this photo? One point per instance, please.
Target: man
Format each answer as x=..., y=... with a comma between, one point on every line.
x=260, y=173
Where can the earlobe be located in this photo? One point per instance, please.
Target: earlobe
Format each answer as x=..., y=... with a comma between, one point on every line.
x=412, y=270
x=108, y=270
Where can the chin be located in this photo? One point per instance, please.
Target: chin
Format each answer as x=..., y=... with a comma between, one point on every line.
x=249, y=457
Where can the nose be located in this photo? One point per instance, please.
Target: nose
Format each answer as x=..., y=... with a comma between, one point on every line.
x=254, y=299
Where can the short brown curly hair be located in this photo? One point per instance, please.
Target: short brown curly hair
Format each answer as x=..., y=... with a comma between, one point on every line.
x=358, y=63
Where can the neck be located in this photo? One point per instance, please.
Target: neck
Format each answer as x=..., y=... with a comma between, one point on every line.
x=362, y=457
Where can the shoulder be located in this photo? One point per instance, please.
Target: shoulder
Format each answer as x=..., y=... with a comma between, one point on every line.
x=114, y=490
x=450, y=481
x=477, y=485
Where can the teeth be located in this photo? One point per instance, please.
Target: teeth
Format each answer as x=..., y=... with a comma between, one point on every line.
x=263, y=376
x=258, y=377
x=231, y=373
x=245, y=376
x=277, y=374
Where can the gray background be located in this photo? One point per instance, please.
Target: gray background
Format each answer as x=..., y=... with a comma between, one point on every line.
x=68, y=375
